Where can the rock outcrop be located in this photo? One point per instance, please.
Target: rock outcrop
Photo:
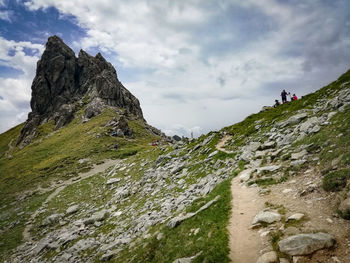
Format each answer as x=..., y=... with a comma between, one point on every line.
x=62, y=80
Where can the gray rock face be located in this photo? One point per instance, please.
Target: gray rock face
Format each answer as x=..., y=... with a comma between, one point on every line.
x=62, y=79
x=305, y=244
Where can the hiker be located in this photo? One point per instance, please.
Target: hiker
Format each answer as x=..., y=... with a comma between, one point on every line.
x=284, y=96
x=114, y=134
x=289, y=96
x=294, y=97
x=277, y=103
x=116, y=146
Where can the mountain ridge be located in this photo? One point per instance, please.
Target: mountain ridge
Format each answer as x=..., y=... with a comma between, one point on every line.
x=62, y=81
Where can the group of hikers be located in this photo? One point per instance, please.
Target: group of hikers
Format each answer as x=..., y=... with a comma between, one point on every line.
x=284, y=96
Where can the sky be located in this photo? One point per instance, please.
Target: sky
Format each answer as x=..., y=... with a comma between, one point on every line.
x=195, y=65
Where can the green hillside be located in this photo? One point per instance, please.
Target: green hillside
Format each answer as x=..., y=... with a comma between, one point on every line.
x=136, y=209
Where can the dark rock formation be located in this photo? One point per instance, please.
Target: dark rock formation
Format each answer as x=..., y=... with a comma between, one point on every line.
x=62, y=79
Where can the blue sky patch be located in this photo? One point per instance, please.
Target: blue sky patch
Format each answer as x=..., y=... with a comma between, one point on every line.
x=9, y=72
x=37, y=26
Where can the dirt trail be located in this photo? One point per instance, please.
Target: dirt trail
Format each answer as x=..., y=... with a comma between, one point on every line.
x=245, y=243
x=60, y=186
x=221, y=144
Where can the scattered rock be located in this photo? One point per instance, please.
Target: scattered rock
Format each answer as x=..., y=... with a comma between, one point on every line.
x=186, y=260
x=266, y=216
x=177, y=220
x=113, y=181
x=212, y=154
x=99, y=216
x=309, y=124
x=270, y=168
x=295, y=119
x=268, y=145
x=297, y=162
x=344, y=208
x=269, y=257
x=297, y=217
x=72, y=209
x=298, y=155
x=244, y=176
x=54, y=218
x=305, y=244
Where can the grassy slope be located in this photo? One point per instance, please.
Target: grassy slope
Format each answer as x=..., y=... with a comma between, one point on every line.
x=57, y=157
x=246, y=128
x=212, y=239
x=54, y=156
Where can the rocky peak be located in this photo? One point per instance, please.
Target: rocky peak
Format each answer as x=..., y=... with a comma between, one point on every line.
x=62, y=79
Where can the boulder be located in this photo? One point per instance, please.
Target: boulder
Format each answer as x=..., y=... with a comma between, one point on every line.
x=298, y=155
x=254, y=146
x=295, y=119
x=269, y=257
x=244, y=176
x=305, y=244
x=266, y=216
x=268, y=145
x=270, y=168
x=97, y=217
x=213, y=154
x=179, y=219
x=113, y=181
x=54, y=218
x=297, y=162
x=187, y=260
x=344, y=208
x=296, y=216
x=72, y=209
x=309, y=124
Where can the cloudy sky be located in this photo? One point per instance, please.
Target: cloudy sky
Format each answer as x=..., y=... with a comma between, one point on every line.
x=195, y=65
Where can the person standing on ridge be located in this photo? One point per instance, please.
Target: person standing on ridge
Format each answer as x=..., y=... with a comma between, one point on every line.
x=284, y=96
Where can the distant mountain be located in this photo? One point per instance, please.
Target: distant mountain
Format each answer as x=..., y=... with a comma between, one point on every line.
x=64, y=82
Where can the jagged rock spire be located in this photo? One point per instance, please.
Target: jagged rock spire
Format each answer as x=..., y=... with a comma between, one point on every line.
x=62, y=79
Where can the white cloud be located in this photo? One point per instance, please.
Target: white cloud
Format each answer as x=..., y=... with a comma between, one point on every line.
x=5, y=15
x=12, y=54
x=15, y=93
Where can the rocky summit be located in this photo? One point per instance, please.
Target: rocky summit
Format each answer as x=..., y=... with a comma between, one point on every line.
x=63, y=82
x=95, y=183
